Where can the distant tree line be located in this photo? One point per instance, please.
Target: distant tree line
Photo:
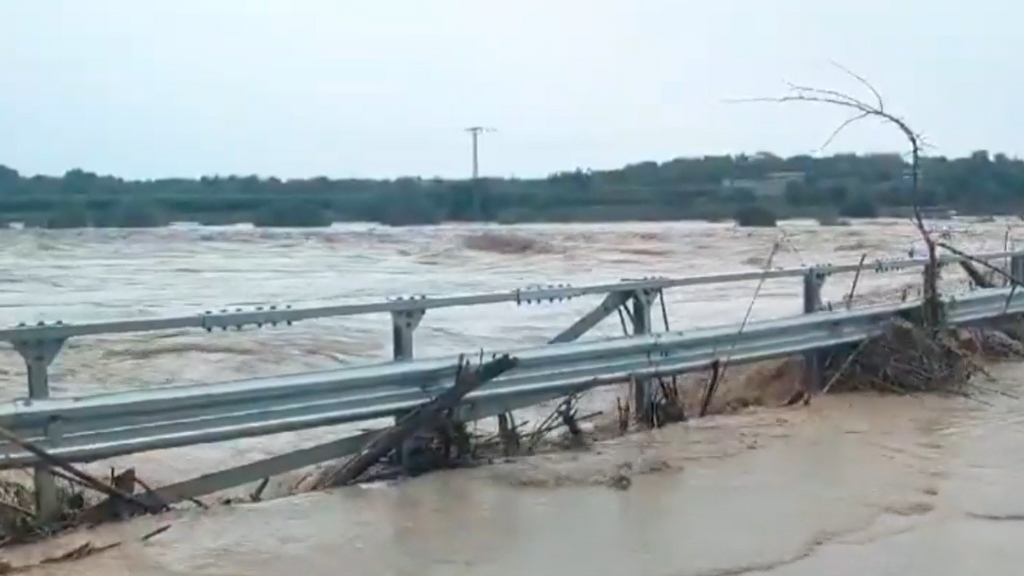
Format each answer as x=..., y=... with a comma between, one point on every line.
x=708, y=188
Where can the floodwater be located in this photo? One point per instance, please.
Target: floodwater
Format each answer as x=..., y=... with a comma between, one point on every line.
x=849, y=485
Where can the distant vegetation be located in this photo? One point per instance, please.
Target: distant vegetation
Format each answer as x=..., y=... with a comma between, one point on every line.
x=755, y=216
x=754, y=189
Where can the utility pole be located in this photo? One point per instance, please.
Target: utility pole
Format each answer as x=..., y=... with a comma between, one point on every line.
x=475, y=132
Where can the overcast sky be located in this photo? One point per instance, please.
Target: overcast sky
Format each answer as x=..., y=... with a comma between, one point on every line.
x=295, y=88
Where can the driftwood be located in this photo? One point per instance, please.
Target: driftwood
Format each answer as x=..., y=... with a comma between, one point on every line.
x=72, y=474
x=427, y=416
x=122, y=503
x=975, y=275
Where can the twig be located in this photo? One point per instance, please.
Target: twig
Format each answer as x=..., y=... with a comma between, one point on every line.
x=750, y=307
x=856, y=277
x=719, y=368
x=664, y=308
x=83, y=551
x=155, y=533
x=550, y=422
x=842, y=369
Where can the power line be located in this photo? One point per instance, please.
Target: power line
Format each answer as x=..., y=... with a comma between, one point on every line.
x=475, y=132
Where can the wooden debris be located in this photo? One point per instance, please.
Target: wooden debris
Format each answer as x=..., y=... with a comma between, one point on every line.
x=670, y=406
x=508, y=434
x=150, y=535
x=553, y=421
x=83, y=551
x=257, y=494
x=711, y=387
x=979, y=279
x=567, y=414
x=121, y=502
x=907, y=359
x=73, y=474
x=425, y=417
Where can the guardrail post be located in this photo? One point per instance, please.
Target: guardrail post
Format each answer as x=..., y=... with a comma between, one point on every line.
x=1017, y=267
x=38, y=355
x=403, y=324
x=642, y=301
x=813, y=360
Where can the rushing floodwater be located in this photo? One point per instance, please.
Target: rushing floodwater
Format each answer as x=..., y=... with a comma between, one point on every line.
x=850, y=485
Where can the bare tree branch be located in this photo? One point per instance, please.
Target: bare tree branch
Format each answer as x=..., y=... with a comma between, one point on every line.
x=839, y=130
x=864, y=110
x=878, y=97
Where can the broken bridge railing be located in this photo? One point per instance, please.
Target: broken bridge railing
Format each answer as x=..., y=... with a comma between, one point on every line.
x=90, y=428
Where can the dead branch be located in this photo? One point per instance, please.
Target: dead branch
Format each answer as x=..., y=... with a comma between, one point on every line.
x=1014, y=282
x=423, y=417
x=719, y=367
x=554, y=420
x=995, y=269
x=861, y=109
x=975, y=275
x=712, y=387
x=753, y=300
x=848, y=300
x=58, y=465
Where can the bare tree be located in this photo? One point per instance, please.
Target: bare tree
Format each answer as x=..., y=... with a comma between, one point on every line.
x=862, y=109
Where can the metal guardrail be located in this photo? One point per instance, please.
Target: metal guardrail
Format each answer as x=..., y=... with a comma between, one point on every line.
x=273, y=315
x=108, y=425
x=105, y=425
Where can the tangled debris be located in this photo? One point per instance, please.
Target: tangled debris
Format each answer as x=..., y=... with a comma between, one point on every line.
x=906, y=359
x=434, y=418
x=77, y=505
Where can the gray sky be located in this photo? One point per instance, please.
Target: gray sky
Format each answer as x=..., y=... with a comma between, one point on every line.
x=295, y=88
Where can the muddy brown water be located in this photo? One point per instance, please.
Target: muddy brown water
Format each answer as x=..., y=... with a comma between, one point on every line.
x=849, y=485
